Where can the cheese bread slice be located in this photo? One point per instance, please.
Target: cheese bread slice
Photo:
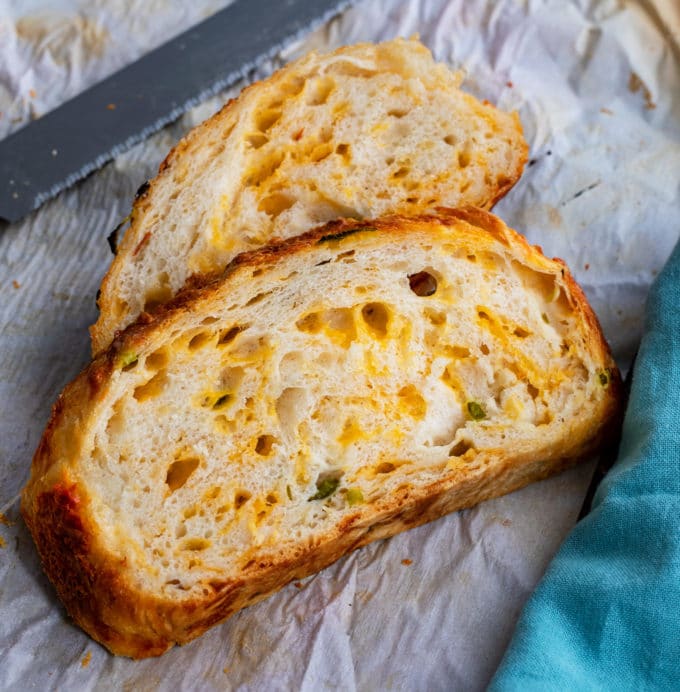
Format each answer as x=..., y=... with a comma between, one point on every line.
x=327, y=391
x=361, y=132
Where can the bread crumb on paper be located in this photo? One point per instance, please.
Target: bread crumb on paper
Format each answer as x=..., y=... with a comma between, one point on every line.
x=86, y=660
x=406, y=562
x=636, y=84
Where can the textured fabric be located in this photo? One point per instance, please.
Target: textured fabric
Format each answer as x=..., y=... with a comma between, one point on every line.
x=607, y=613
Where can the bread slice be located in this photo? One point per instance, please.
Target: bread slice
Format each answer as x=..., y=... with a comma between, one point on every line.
x=326, y=392
x=361, y=132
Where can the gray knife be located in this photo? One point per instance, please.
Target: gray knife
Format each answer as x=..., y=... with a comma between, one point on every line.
x=52, y=153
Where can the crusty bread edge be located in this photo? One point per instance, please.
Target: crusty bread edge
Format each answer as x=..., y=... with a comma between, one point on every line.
x=139, y=625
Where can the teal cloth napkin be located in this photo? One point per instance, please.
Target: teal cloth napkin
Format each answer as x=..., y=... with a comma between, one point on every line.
x=606, y=615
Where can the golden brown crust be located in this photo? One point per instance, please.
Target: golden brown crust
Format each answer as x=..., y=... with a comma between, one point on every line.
x=133, y=624
x=92, y=583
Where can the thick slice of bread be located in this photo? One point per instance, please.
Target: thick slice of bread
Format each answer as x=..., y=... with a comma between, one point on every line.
x=361, y=132
x=327, y=391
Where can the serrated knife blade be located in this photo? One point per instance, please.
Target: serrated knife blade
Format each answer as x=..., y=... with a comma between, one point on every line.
x=52, y=153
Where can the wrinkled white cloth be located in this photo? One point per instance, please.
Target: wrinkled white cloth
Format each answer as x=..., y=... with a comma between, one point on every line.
x=597, y=86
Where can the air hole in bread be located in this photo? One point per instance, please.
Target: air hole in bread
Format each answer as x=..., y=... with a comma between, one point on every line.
x=319, y=91
x=310, y=323
x=190, y=512
x=194, y=545
x=152, y=388
x=376, y=316
x=199, y=340
x=121, y=306
x=344, y=255
x=181, y=531
x=247, y=349
x=271, y=499
x=215, y=400
x=340, y=326
x=401, y=172
x=533, y=391
x=265, y=119
x=209, y=320
x=179, y=472
x=422, y=283
x=228, y=335
x=266, y=169
x=221, y=510
x=258, y=298
x=545, y=284
x=289, y=405
x=545, y=418
x=213, y=493
x=114, y=426
x=385, y=467
x=484, y=349
x=411, y=402
x=464, y=159
x=349, y=68
x=459, y=449
x=264, y=445
x=256, y=140
x=343, y=150
x=241, y=497
x=397, y=112
x=320, y=152
x=435, y=317
x=521, y=333
x=458, y=352
x=292, y=87
x=276, y=204
x=451, y=140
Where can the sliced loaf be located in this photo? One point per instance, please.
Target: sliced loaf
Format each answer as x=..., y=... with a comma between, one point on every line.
x=363, y=131
x=325, y=392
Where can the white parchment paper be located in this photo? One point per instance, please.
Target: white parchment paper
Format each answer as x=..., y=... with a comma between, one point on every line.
x=597, y=86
